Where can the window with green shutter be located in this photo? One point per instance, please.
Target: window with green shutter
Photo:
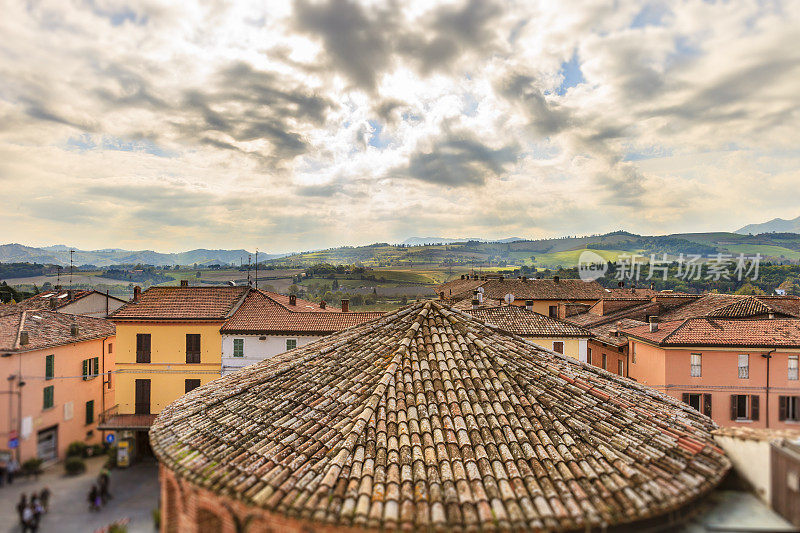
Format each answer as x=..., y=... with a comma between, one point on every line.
x=49, y=366
x=238, y=347
x=85, y=372
x=90, y=411
x=291, y=344
x=96, y=369
x=48, y=397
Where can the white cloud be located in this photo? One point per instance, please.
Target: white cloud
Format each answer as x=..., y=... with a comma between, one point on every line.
x=162, y=125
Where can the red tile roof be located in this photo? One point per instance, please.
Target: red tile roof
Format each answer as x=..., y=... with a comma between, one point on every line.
x=520, y=321
x=183, y=303
x=45, y=299
x=706, y=331
x=528, y=289
x=734, y=305
x=429, y=420
x=262, y=312
x=49, y=328
x=605, y=332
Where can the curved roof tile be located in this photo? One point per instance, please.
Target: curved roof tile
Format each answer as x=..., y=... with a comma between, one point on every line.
x=429, y=419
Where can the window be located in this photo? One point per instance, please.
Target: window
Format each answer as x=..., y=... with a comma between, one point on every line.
x=558, y=346
x=604, y=363
x=110, y=348
x=49, y=367
x=589, y=355
x=142, y=406
x=108, y=381
x=291, y=344
x=192, y=347
x=142, y=347
x=89, y=412
x=793, y=367
x=620, y=367
x=744, y=407
x=696, y=365
x=744, y=366
x=191, y=384
x=238, y=347
x=48, y=397
x=553, y=311
x=91, y=368
x=701, y=402
x=789, y=408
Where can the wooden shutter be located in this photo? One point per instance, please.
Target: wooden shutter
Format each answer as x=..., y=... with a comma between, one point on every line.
x=96, y=369
x=142, y=406
x=734, y=397
x=49, y=366
x=754, y=407
x=85, y=369
x=782, y=407
x=90, y=411
x=707, y=405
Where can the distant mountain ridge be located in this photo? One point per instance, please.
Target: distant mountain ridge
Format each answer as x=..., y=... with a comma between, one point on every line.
x=59, y=255
x=776, y=225
x=419, y=241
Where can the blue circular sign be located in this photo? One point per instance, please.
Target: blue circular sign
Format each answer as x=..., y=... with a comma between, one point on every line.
x=13, y=443
x=110, y=438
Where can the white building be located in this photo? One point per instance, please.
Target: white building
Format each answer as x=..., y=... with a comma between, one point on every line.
x=267, y=324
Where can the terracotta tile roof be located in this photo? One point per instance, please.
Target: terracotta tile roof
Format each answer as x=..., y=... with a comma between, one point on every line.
x=45, y=300
x=466, y=303
x=636, y=312
x=707, y=331
x=127, y=421
x=734, y=305
x=429, y=419
x=520, y=321
x=183, y=303
x=49, y=328
x=605, y=332
x=529, y=289
x=300, y=306
x=262, y=313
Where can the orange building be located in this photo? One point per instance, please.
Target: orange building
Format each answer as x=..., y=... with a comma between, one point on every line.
x=58, y=369
x=739, y=372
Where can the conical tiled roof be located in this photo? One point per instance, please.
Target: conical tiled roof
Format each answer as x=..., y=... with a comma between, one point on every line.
x=428, y=419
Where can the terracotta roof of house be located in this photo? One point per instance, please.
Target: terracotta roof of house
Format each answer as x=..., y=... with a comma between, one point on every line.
x=49, y=328
x=528, y=289
x=183, y=303
x=733, y=306
x=708, y=331
x=300, y=306
x=520, y=321
x=636, y=312
x=429, y=419
x=466, y=303
x=261, y=313
x=605, y=332
x=45, y=299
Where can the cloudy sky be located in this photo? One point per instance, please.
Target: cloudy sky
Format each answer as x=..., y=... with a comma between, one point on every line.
x=314, y=123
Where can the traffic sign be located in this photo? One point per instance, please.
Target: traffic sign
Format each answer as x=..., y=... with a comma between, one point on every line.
x=13, y=443
x=110, y=438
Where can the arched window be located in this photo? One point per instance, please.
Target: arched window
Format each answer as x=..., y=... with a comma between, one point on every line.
x=208, y=521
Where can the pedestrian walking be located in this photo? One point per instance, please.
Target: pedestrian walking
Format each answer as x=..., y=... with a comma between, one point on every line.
x=38, y=510
x=21, y=506
x=44, y=497
x=103, y=482
x=30, y=522
x=94, y=499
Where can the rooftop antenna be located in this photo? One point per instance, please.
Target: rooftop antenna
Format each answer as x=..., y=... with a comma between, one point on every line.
x=70, y=267
x=58, y=275
x=256, y=268
x=249, y=281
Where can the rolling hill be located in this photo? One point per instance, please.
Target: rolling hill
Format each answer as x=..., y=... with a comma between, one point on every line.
x=776, y=225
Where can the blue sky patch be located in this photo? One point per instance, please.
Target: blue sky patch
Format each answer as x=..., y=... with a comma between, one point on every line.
x=85, y=142
x=571, y=73
x=377, y=139
x=651, y=15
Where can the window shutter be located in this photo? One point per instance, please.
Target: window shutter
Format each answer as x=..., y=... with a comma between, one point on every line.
x=85, y=369
x=685, y=397
x=96, y=369
x=782, y=401
x=733, y=406
x=49, y=370
x=754, y=407
x=707, y=405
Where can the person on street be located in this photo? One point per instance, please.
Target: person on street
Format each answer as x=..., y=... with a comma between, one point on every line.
x=21, y=506
x=38, y=510
x=44, y=497
x=103, y=481
x=30, y=522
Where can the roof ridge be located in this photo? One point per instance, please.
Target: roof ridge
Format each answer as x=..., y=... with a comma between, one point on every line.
x=683, y=325
x=20, y=328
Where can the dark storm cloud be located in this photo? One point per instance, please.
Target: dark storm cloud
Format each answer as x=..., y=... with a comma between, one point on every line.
x=459, y=161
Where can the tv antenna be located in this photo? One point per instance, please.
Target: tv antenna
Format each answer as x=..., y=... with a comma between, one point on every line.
x=71, y=252
x=256, y=268
x=249, y=281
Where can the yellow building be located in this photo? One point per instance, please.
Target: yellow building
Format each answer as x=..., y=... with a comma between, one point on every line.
x=168, y=343
x=549, y=333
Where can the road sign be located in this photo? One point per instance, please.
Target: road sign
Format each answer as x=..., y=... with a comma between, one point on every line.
x=110, y=438
x=13, y=443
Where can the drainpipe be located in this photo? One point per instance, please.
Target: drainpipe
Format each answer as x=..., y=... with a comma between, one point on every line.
x=103, y=383
x=767, y=356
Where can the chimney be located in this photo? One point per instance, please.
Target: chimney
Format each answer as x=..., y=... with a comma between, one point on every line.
x=475, y=303
x=57, y=288
x=653, y=324
x=529, y=305
x=24, y=338
x=137, y=292
x=620, y=284
x=345, y=305
x=184, y=283
x=652, y=286
x=524, y=278
x=556, y=279
x=322, y=304
x=53, y=303
x=292, y=299
x=74, y=330
x=462, y=276
x=441, y=295
x=771, y=316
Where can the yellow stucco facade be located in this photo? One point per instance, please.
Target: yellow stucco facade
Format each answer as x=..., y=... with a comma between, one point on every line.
x=573, y=346
x=543, y=306
x=167, y=369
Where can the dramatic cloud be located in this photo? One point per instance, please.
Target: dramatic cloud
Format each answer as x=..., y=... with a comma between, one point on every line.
x=313, y=123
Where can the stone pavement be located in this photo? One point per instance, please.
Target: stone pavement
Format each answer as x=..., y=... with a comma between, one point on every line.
x=134, y=491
